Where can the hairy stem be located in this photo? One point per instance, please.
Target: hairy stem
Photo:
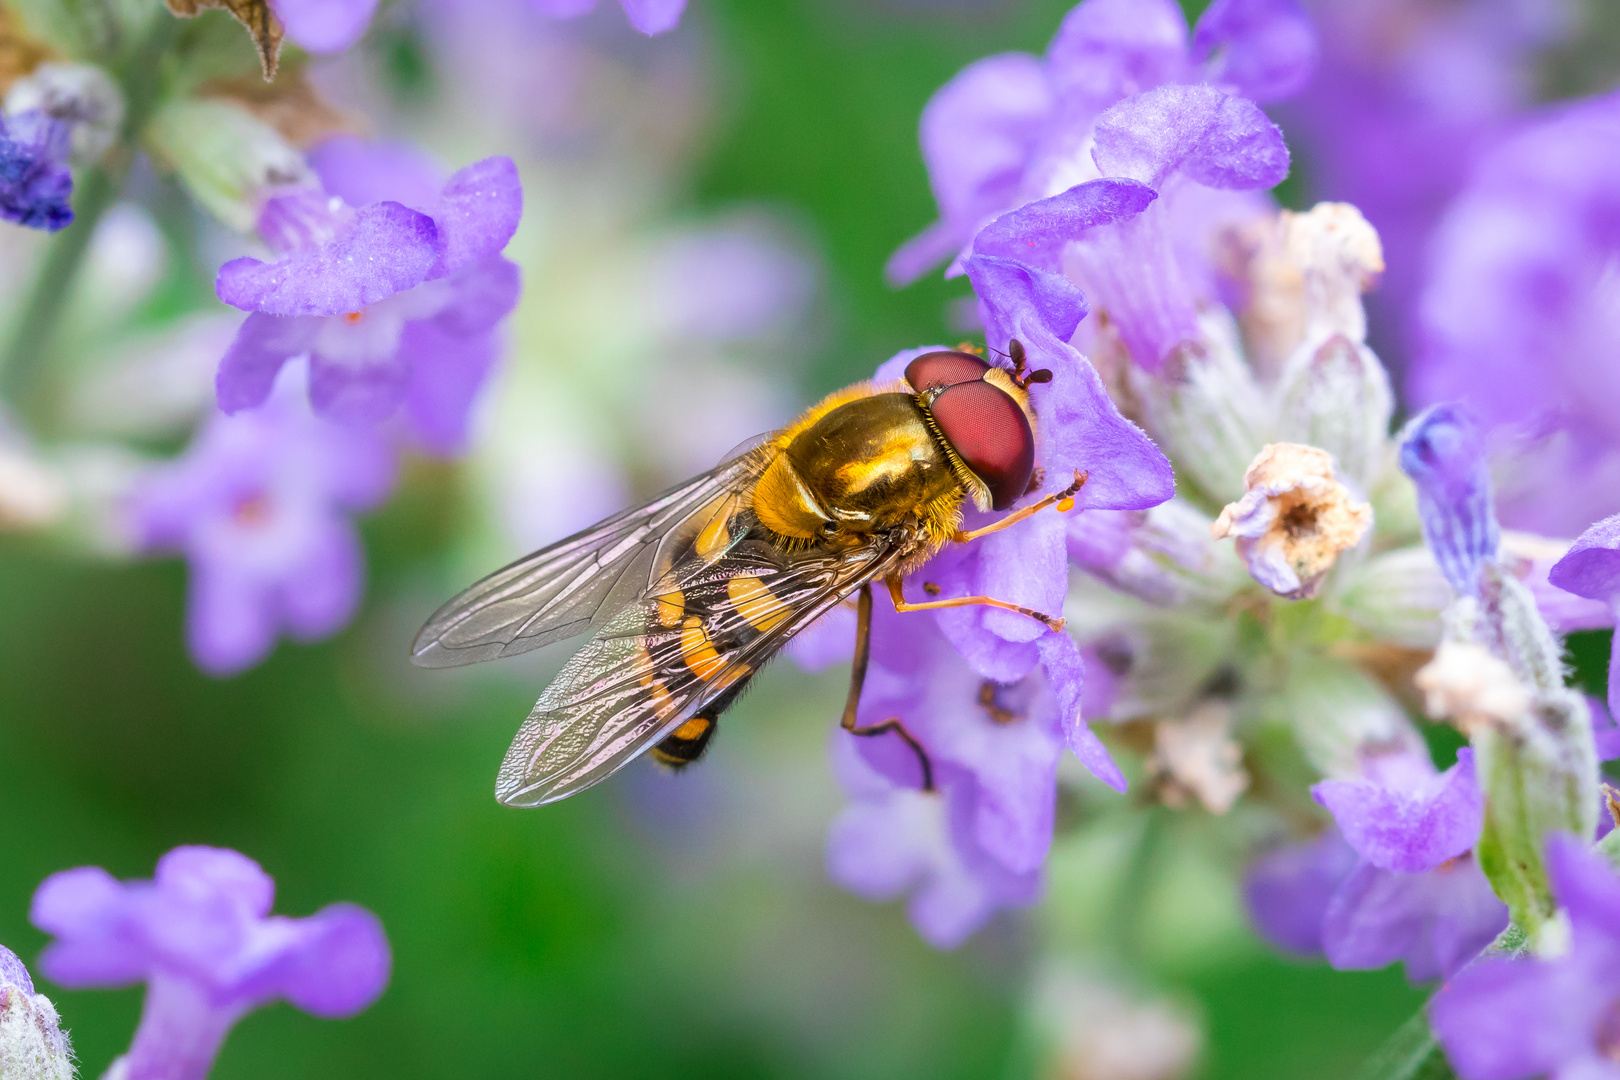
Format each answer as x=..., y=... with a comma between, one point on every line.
x=1409, y=1054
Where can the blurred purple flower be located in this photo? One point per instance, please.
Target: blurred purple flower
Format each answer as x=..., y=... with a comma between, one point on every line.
x=393, y=304
x=1442, y=451
x=1015, y=128
x=1592, y=569
x=202, y=938
x=1406, y=96
x=1521, y=314
x=35, y=183
x=895, y=839
x=1512, y=1018
x=1287, y=891
x=324, y=26
x=1394, y=880
x=648, y=16
x=259, y=505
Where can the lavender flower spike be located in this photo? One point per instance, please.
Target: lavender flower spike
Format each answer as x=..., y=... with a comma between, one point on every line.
x=35, y=183
x=33, y=1045
x=1592, y=569
x=201, y=936
x=1512, y=1019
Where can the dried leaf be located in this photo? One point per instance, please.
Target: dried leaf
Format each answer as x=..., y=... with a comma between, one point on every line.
x=256, y=15
x=19, y=54
x=290, y=105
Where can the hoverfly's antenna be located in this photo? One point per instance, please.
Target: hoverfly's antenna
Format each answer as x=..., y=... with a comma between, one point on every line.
x=1015, y=353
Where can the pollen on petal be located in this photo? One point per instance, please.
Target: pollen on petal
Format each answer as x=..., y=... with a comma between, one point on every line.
x=1294, y=519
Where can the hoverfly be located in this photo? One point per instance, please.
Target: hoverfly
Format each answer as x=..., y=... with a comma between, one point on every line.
x=687, y=596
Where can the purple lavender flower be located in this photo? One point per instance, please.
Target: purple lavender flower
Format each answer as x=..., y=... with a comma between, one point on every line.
x=977, y=843
x=1518, y=315
x=1506, y=1019
x=393, y=304
x=260, y=506
x=202, y=938
x=324, y=26
x=35, y=183
x=648, y=16
x=895, y=840
x=1441, y=451
x=1416, y=894
x=1592, y=569
x=1394, y=881
x=1287, y=891
x=1015, y=128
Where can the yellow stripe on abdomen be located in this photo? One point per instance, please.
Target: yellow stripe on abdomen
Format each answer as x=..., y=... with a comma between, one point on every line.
x=704, y=660
x=756, y=603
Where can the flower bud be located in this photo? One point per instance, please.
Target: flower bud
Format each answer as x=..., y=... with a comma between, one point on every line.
x=1340, y=717
x=1339, y=256
x=229, y=160
x=1337, y=396
x=1164, y=555
x=1205, y=408
x=33, y=1045
x=1397, y=597
x=1499, y=675
x=81, y=96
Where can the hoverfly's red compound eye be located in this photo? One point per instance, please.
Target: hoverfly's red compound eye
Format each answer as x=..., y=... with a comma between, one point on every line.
x=991, y=435
x=937, y=370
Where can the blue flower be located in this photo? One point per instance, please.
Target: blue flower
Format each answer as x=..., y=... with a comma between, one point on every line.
x=35, y=183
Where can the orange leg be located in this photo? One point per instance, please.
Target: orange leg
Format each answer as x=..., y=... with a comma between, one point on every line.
x=857, y=680
x=901, y=604
x=1063, y=500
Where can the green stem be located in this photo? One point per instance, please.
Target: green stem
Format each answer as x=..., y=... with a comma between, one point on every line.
x=1130, y=902
x=1409, y=1054
x=31, y=340
x=139, y=74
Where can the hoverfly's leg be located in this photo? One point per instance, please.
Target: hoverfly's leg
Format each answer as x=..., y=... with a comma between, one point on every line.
x=857, y=679
x=1064, y=500
x=901, y=604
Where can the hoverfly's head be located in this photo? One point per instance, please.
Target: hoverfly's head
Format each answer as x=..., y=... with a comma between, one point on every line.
x=982, y=413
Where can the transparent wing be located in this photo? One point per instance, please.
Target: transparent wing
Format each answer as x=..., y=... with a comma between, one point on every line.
x=656, y=664
x=578, y=584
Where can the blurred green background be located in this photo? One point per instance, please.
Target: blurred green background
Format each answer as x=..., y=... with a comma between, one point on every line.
x=654, y=926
